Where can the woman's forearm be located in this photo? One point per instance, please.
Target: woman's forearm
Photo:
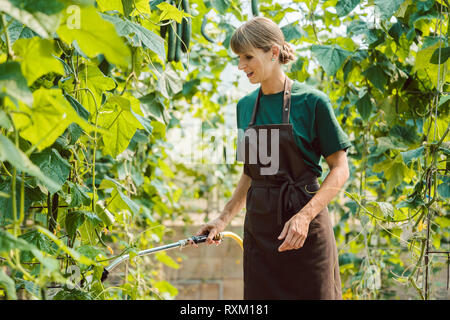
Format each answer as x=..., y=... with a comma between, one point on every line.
x=237, y=201
x=328, y=190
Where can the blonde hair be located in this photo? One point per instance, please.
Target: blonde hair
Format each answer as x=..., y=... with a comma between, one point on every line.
x=262, y=33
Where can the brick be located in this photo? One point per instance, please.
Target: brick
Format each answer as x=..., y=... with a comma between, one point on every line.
x=232, y=268
x=233, y=289
x=188, y=291
x=210, y=291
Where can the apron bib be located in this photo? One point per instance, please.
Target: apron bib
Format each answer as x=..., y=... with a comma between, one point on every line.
x=311, y=272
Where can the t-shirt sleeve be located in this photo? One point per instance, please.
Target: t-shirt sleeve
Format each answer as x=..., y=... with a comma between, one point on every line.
x=330, y=136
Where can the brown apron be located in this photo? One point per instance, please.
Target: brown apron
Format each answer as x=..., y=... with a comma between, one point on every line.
x=311, y=272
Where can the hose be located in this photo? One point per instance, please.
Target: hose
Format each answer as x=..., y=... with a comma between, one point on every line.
x=234, y=236
x=181, y=244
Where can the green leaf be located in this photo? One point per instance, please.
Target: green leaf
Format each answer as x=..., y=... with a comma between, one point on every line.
x=445, y=54
x=116, y=117
x=31, y=195
x=221, y=5
x=423, y=59
x=9, y=152
x=165, y=287
x=31, y=287
x=89, y=251
x=411, y=155
x=376, y=76
x=110, y=5
x=436, y=240
x=146, y=123
x=152, y=106
x=71, y=252
x=169, y=83
x=72, y=294
x=162, y=256
x=119, y=202
x=171, y=12
x=397, y=30
x=41, y=16
x=36, y=49
x=293, y=31
x=78, y=195
x=49, y=117
x=8, y=284
x=443, y=100
x=443, y=222
x=357, y=27
x=406, y=133
x=138, y=36
x=365, y=106
x=40, y=241
x=388, y=7
x=81, y=111
x=96, y=36
x=140, y=7
x=9, y=242
x=297, y=65
x=13, y=84
x=105, y=215
x=381, y=209
x=93, y=218
x=17, y=30
x=53, y=166
x=385, y=143
x=395, y=171
x=444, y=188
x=74, y=220
x=331, y=57
x=154, y=3
x=165, y=169
x=349, y=258
x=4, y=120
x=108, y=183
x=344, y=7
x=92, y=78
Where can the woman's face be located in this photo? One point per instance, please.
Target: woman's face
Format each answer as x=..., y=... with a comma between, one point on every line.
x=257, y=65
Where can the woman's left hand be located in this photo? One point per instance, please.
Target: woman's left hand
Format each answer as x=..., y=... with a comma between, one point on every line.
x=295, y=232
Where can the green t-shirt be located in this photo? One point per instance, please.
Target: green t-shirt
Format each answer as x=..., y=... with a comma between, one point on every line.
x=316, y=130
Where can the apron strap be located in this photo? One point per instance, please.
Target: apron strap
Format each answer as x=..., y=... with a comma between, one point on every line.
x=286, y=102
x=255, y=107
x=287, y=99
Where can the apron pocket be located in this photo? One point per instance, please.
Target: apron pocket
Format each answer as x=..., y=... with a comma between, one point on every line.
x=262, y=200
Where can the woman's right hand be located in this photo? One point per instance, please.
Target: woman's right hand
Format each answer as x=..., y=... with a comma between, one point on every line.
x=211, y=228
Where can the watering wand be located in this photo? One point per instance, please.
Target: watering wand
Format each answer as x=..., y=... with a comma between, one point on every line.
x=178, y=244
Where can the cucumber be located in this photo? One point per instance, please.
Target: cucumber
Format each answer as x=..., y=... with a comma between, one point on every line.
x=186, y=27
x=178, y=43
x=203, y=30
x=172, y=42
x=255, y=10
x=163, y=29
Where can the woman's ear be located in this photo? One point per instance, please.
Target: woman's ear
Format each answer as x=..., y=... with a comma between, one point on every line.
x=275, y=51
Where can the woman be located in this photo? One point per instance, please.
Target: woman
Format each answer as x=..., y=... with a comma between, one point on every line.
x=289, y=246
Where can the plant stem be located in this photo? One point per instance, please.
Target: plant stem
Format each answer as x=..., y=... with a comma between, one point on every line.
x=13, y=199
x=9, y=51
x=94, y=190
x=22, y=200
